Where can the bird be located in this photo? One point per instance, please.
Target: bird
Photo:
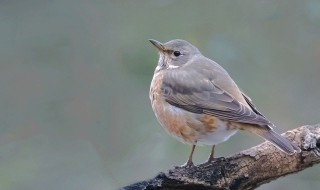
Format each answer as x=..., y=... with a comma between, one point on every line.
x=196, y=101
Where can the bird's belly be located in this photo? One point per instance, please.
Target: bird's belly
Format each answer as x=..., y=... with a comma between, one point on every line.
x=174, y=121
x=218, y=136
x=192, y=128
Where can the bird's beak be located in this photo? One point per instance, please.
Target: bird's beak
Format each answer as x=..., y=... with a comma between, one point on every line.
x=158, y=45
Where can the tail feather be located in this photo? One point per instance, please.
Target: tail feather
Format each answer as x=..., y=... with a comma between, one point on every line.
x=279, y=141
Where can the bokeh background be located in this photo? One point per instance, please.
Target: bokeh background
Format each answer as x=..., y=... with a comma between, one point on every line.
x=75, y=75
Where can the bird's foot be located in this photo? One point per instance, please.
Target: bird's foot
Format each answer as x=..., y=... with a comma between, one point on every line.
x=188, y=164
x=210, y=160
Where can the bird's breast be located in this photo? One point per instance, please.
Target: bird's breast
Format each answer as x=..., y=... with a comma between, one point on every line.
x=174, y=120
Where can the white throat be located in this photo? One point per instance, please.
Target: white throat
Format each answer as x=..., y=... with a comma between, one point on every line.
x=169, y=67
x=173, y=66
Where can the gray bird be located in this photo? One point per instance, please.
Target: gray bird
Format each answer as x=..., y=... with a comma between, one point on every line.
x=196, y=101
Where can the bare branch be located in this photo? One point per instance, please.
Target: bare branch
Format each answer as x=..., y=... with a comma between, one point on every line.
x=245, y=170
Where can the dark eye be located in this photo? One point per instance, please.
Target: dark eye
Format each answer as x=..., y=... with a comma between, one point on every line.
x=176, y=53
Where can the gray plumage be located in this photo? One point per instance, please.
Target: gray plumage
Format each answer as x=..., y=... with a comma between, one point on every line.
x=199, y=85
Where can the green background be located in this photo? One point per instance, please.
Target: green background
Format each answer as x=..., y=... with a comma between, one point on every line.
x=75, y=75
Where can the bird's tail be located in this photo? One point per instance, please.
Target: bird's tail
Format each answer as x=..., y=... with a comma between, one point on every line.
x=279, y=141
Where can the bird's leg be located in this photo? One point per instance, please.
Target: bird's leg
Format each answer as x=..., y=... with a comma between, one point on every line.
x=189, y=163
x=211, y=157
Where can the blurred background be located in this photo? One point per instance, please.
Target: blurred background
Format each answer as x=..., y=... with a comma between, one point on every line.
x=75, y=75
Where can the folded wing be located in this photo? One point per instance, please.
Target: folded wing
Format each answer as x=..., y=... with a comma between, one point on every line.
x=194, y=91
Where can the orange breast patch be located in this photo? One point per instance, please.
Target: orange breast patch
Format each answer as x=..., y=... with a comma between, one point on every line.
x=209, y=123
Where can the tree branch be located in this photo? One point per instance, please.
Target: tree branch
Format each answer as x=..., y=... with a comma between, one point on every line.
x=245, y=170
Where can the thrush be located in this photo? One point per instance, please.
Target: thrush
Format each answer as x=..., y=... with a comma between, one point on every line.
x=196, y=101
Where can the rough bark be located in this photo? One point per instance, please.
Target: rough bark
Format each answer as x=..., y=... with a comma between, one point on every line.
x=245, y=170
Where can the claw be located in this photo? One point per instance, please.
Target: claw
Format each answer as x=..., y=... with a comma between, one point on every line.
x=188, y=164
x=210, y=159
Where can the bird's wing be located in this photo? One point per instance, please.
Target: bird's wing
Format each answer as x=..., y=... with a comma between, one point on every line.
x=191, y=90
x=250, y=103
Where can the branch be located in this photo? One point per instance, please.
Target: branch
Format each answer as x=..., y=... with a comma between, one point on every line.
x=245, y=170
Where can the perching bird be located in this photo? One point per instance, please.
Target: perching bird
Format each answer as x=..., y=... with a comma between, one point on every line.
x=196, y=101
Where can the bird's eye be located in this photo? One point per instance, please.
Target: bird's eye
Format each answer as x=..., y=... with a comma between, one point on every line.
x=176, y=53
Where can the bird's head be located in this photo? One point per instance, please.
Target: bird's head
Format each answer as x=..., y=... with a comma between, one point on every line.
x=174, y=54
